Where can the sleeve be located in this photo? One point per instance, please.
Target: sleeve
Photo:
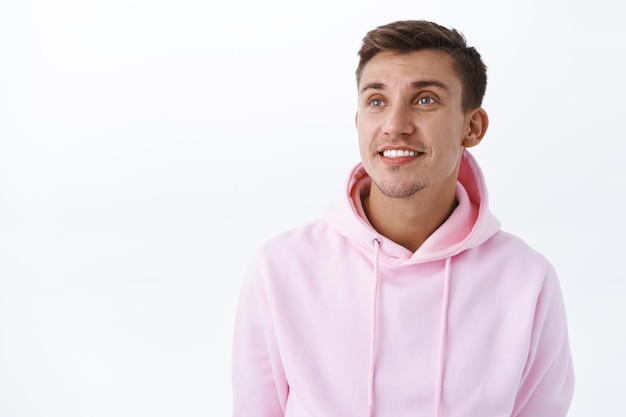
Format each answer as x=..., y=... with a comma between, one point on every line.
x=259, y=383
x=547, y=384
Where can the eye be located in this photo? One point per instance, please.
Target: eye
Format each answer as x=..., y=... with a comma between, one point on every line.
x=426, y=100
x=376, y=103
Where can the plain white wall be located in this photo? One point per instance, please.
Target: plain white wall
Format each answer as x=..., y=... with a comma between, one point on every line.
x=148, y=147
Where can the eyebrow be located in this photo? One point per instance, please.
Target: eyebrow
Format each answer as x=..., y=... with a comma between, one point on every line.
x=415, y=85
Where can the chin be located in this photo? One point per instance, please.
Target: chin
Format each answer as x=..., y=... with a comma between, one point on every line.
x=400, y=190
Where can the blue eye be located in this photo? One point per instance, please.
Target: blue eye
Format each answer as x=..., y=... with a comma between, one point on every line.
x=425, y=100
x=376, y=102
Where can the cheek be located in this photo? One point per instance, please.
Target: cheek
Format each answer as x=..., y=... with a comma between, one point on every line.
x=364, y=134
x=364, y=149
x=450, y=133
x=360, y=125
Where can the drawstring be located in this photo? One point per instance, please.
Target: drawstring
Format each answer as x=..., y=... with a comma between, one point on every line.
x=442, y=339
x=442, y=335
x=370, y=394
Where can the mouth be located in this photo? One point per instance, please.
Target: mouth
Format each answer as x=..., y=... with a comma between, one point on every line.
x=398, y=153
x=393, y=156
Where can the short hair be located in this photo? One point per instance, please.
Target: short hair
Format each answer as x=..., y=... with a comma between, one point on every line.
x=405, y=36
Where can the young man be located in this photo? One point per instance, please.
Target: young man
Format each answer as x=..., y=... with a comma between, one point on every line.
x=405, y=298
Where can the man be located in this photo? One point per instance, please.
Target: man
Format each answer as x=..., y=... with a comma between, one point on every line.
x=405, y=298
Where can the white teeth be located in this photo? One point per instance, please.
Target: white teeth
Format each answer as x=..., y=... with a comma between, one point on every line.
x=397, y=153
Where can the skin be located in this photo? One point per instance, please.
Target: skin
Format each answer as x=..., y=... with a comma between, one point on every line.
x=413, y=101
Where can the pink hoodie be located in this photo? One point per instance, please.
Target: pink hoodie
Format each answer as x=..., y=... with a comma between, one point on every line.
x=336, y=320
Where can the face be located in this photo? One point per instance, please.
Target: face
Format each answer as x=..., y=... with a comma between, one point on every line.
x=411, y=125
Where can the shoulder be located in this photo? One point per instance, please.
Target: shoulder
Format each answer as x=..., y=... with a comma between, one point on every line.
x=515, y=258
x=299, y=244
x=506, y=244
x=311, y=234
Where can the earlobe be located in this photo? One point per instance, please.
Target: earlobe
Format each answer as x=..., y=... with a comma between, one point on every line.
x=477, y=123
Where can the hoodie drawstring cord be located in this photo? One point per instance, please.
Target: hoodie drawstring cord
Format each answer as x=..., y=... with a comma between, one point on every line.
x=442, y=335
x=370, y=394
x=442, y=339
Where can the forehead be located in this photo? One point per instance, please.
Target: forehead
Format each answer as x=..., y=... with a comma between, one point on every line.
x=392, y=68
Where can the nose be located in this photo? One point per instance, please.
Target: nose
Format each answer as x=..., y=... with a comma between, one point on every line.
x=399, y=121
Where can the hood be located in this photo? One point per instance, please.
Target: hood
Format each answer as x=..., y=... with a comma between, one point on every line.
x=469, y=225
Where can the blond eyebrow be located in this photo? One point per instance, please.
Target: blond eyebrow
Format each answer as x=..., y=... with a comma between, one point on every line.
x=417, y=85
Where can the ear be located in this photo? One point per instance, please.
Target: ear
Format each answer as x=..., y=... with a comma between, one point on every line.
x=477, y=124
x=356, y=118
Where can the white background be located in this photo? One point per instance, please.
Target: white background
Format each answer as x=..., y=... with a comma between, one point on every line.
x=148, y=147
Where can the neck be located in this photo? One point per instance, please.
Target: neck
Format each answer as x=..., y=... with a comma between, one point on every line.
x=410, y=221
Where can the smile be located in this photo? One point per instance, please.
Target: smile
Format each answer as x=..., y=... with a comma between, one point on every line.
x=398, y=153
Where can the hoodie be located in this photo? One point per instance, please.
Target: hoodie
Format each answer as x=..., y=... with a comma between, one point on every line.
x=336, y=320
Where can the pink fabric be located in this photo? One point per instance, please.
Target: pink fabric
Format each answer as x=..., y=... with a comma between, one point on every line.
x=471, y=324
